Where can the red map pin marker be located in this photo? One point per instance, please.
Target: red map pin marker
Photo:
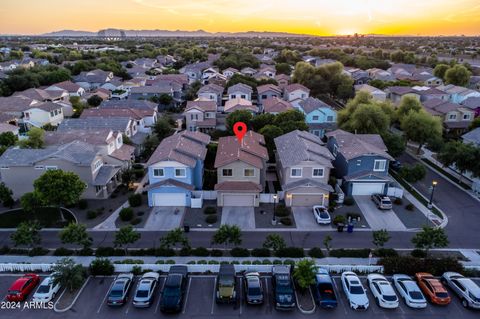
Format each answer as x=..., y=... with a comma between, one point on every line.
x=240, y=129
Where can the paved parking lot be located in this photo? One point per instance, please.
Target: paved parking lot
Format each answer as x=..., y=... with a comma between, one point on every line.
x=200, y=303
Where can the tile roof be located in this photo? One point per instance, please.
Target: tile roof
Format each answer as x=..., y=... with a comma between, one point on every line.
x=240, y=87
x=211, y=88
x=401, y=90
x=5, y=127
x=68, y=86
x=15, y=103
x=34, y=94
x=472, y=103
x=308, y=182
x=239, y=104
x=124, y=153
x=354, y=145
x=129, y=104
x=365, y=173
x=94, y=76
x=311, y=104
x=240, y=187
x=252, y=150
x=300, y=146
x=185, y=147
x=136, y=114
x=167, y=89
x=105, y=174
x=205, y=106
x=276, y=105
x=296, y=86
x=114, y=123
x=437, y=106
x=269, y=87
x=171, y=181
x=368, y=88
x=472, y=136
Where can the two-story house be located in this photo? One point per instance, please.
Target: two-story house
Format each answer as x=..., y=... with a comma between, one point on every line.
x=303, y=166
x=229, y=72
x=473, y=103
x=91, y=80
x=319, y=116
x=283, y=80
x=248, y=71
x=396, y=93
x=145, y=118
x=275, y=105
x=239, y=104
x=458, y=94
x=361, y=161
x=73, y=89
x=240, y=170
x=40, y=114
x=294, y=93
x=428, y=93
x=201, y=116
x=240, y=91
x=267, y=91
x=455, y=118
x=19, y=168
x=175, y=169
x=211, y=92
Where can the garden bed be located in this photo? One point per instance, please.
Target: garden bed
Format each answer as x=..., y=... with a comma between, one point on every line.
x=198, y=217
x=48, y=217
x=67, y=297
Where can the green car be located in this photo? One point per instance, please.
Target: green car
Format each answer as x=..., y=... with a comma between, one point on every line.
x=226, y=284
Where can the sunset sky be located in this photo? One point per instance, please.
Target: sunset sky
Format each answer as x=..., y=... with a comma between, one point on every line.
x=318, y=17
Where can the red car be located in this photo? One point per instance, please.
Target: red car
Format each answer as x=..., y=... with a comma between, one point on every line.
x=20, y=289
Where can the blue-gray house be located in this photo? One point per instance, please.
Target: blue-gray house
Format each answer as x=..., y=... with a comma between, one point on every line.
x=175, y=169
x=361, y=161
x=319, y=116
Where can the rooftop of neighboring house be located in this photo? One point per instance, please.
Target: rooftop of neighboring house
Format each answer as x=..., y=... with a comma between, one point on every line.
x=185, y=147
x=46, y=106
x=400, y=90
x=211, y=88
x=175, y=85
x=15, y=103
x=197, y=67
x=94, y=76
x=354, y=145
x=248, y=70
x=239, y=104
x=453, y=89
x=136, y=114
x=113, y=123
x=230, y=69
x=91, y=136
x=472, y=103
x=36, y=94
x=402, y=67
x=205, y=106
x=240, y=87
x=367, y=88
x=129, y=104
x=299, y=146
x=68, y=86
x=5, y=127
x=424, y=90
x=276, y=105
x=280, y=77
x=251, y=151
x=440, y=107
x=472, y=137
x=311, y=104
x=268, y=87
x=296, y=86
x=156, y=89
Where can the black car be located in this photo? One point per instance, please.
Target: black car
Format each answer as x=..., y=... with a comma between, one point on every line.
x=118, y=294
x=174, y=289
x=283, y=288
x=253, y=288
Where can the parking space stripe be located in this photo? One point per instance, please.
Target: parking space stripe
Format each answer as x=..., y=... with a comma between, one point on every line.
x=186, y=295
x=105, y=298
x=214, y=294
x=159, y=295
x=267, y=296
x=339, y=296
x=241, y=295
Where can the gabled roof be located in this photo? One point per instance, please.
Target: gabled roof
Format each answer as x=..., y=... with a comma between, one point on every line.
x=239, y=187
x=15, y=103
x=300, y=146
x=46, y=106
x=401, y=90
x=437, y=106
x=276, y=105
x=239, y=104
x=172, y=182
x=472, y=103
x=68, y=86
x=296, y=86
x=93, y=137
x=136, y=114
x=113, y=123
x=472, y=137
x=307, y=182
x=157, y=89
x=204, y=106
x=268, y=87
x=34, y=94
x=355, y=145
x=368, y=88
x=251, y=151
x=211, y=88
x=128, y=104
x=94, y=76
x=185, y=147
x=311, y=104
x=240, y=87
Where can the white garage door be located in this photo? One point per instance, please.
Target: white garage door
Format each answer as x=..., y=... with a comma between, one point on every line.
x=238, y=200
x=173, y=199
x=307, y=200
x=367, y=188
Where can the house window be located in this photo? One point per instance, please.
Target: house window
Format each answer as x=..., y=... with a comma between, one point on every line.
x=98, y=189
x=264, y=97
x=380, y=165
x=180, y=172
x=4, y=167
x=52, y=114
x=233, y=96
x=296, y=172
x=317, y=172
x=359, y=162
x=466, y=116
x=315, y=117
x=304, y=96
x=97, y=165
x=243, y=96
x=249, y=172
x=40, y=167
x=335, y=150
x=158, y=172
x=51, y=168
x=227, y=172
x=330, y=118
x=452, y=116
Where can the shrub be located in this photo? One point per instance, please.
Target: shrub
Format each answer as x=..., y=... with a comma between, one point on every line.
x=239, y=252
x=164, y=252
x=216, y=253
x=266, y=262
x=413, y=173
x=316, y=252
x=191, y=262
x=289, y=262
x=211, y=219
x=91, y=214
x=137, y=166
x=104, y=251
x=256, y=262
x=201, y=262
x=170, y=262
x=292, y=252
x=126, y=214
x=410, y=207
x=260, y=252
x=136, y=270
x=38, y=251
x=287, y=221
x=4, y=250
x=200, y=252
x=213, y=262
x=185, y=251
x=136, y=221
x=419, y=253
x=140, y=213
x=85, y=252
x=135, y=200
x=62, y=251
x=210, y=210
x=139, y=173
x=352, y=253
x=410, y=265
x=101, y=267
x=339, y=219
x=82, y=203
x=398, y=201
x=348, y=201
x=282, y=211
x=277, y=262
x=385, y=252
x=246, y=262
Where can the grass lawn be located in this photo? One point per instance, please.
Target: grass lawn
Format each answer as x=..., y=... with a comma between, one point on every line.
x=49, y=217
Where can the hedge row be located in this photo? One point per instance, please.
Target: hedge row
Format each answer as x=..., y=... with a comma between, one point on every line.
x=410, y=265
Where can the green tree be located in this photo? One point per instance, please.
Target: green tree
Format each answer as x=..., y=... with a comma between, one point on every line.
x=274, y=242
x=380, y=238
x=327, y=242
x=94, y=100
x=368, y=119
x=440, y=70
x=149, y=145
x=75, y=234
x=420, y=127
x=413, y=173
x=270, y=132
x=36, y=139
x=283, y=68
x=162, y=129
x=238, y=116
x=173, y=238
x=8, y=139
x=261, y=120
x=6, y=195
x=475, y=123
x=30, y=202
x=126, y=236
x=395, y=143
x=227, y=234
x=27, y=234
x=165, y=99
x=59, y=188
x=68, y=274
x=290, y=120
x=463, y=156
x=430, y=237
x=458, y=75
x=407, y=104
x=304, y=273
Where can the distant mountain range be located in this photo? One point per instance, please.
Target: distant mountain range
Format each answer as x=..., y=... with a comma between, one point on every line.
x=166, y=33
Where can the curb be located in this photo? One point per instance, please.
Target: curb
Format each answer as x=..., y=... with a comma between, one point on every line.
x=305, y=312
x=74, y=300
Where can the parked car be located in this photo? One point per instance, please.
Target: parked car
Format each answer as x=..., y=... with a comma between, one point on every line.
x=283, y=288
x=145, y=290
x=321, y=214
x=465, y=288
x=226, y=286
x=433, y=288
x=46, y=291
x=353, y=288
x=253, y=288
x=22, y=287
x=174, y=290
x=382, y=291
x=118, y=294
x=382, y=201
x=323, y=291
x=395, y=165
x=409, y=291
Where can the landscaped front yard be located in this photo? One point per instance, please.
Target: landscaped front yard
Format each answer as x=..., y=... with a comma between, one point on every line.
x=48, y=217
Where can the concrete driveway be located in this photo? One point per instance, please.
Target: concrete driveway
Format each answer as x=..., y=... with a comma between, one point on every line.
x=379, y=219
x=304, y=219
x=243, y=217
x=165, y=218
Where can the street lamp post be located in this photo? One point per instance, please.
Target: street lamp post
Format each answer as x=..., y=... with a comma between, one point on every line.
x=430, y=203
x=274, y=220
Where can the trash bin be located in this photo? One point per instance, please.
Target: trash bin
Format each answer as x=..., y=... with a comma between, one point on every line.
x=340, y=227
x=186, y=228
x=350, y=228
